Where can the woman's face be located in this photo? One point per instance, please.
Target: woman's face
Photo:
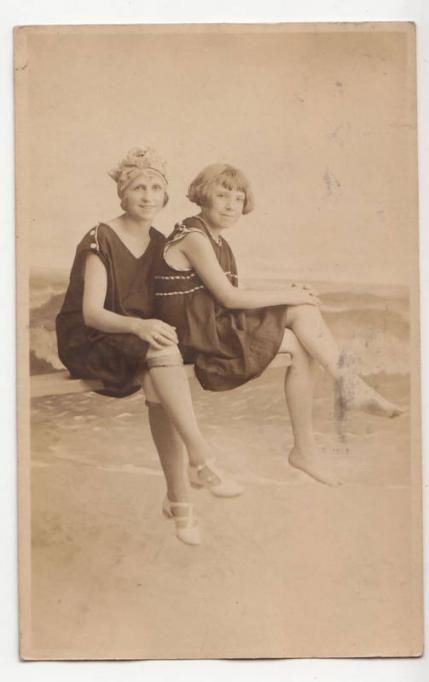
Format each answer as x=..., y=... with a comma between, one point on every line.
x=226, y=206
x=145, y=196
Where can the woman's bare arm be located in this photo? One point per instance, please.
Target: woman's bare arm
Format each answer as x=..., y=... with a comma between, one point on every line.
x=198, y=250
x=95, y=315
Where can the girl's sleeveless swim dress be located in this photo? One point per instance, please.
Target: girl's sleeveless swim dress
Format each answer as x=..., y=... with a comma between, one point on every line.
x=88, y=353
x=228, y=347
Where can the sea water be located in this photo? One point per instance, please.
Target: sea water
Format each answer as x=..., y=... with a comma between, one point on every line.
x=369, y=321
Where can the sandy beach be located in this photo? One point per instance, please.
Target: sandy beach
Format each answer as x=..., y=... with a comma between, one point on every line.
x=289, y=569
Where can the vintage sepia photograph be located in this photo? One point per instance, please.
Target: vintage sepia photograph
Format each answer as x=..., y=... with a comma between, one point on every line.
x=218, y=341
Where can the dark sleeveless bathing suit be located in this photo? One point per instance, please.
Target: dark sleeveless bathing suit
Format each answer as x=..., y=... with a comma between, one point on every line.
x=228, y=347
x=88, y=353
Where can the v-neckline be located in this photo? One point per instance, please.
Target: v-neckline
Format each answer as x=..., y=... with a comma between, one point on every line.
x=121, y=241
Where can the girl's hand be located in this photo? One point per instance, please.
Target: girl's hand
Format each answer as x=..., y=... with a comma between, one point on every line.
x=299, y=296
x=155, y=332
x=306, y=287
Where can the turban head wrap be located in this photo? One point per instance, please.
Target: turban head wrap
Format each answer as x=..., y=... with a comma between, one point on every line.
x=138, y=161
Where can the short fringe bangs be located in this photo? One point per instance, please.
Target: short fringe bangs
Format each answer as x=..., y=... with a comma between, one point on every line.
x=233, y=179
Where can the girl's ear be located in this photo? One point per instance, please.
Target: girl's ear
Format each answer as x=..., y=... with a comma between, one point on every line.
x=166, y=198
x=207, y=201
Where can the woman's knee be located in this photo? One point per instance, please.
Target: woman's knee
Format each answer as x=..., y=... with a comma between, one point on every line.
x=149, y=389
x=170, y=356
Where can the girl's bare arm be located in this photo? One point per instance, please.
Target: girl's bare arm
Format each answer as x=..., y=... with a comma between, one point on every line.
x=198, y=251
x=95, y=315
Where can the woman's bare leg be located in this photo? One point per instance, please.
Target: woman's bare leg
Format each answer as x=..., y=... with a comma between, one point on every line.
x=311, y=330
x=172, y=387
x=299, y=392
x=170, y=450
x=168, y=443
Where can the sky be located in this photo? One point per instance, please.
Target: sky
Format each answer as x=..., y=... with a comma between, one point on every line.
x=321, y=121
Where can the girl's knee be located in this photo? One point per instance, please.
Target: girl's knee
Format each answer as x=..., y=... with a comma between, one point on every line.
x=290, y=343
x=302, y=312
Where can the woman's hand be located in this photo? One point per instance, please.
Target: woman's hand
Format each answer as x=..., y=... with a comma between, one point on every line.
x=155, y=332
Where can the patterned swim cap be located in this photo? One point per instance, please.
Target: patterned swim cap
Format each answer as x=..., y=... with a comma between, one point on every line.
x=137, y=161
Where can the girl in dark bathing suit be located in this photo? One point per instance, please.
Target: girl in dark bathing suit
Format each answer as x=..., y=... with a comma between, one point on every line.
x=231, y=334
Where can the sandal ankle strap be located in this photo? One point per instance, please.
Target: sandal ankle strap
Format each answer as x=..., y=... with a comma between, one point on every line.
x=180, y=504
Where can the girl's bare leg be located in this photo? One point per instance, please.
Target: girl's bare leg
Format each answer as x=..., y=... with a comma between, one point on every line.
x=311, y=330
x=299, y=392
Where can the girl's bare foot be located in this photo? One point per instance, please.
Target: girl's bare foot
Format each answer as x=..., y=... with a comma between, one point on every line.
x=355, y=394
x=310, y=461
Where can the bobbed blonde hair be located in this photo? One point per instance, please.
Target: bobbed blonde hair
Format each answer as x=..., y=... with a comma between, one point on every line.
x=202, y=187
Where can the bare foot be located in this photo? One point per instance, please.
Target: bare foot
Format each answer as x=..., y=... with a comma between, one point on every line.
x=311, y=462
x=355, y=394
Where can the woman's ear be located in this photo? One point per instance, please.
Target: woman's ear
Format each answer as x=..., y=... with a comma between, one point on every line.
x=166, y=198
x=124, y=203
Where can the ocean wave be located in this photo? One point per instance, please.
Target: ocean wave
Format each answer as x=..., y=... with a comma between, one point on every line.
x=45, y=287
x=382, y=353
x=372, y=329
x=383, y=307
x=44, y=353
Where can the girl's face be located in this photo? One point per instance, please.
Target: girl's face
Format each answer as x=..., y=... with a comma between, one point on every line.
x=145, y=196
x=226, y=206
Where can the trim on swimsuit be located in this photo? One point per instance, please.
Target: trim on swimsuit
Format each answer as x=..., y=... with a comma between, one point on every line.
x=96, y=236
x=181, y=232
x=194, y=274
x=175, y=293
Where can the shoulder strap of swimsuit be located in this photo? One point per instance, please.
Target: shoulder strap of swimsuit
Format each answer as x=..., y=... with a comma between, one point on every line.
x=182, y=229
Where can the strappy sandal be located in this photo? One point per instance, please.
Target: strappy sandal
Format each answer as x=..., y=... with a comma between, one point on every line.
x=187, y=529
x=216, y=483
